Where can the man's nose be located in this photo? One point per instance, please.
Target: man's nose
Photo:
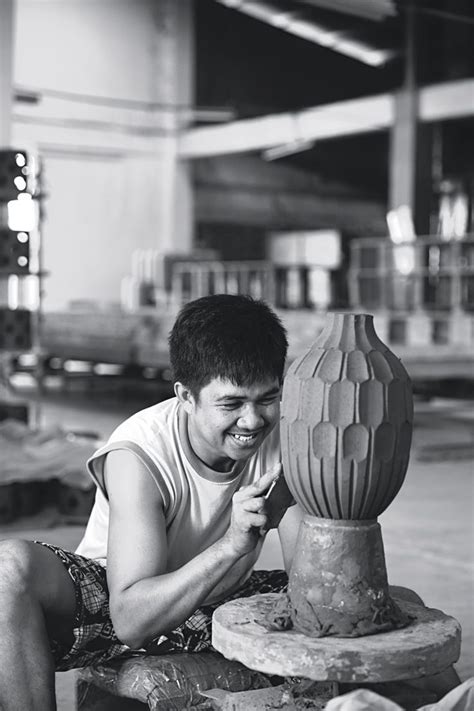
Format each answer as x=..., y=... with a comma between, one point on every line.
x=251, y=418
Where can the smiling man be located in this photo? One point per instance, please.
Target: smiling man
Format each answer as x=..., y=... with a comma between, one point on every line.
x=180, y=515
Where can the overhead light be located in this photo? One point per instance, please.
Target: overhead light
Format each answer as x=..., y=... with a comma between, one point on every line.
x=311, y=31
x=362, y=52
x=368, y=9
x=287, y=149
x=259, y=10
x=281, y=19
x=337, y=41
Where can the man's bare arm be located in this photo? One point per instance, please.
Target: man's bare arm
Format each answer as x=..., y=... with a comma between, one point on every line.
x=145, y=600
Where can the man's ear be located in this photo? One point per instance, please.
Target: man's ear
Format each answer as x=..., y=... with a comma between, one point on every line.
x=185, y=396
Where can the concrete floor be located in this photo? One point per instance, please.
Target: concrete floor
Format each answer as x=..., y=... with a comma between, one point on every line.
x=428, y=530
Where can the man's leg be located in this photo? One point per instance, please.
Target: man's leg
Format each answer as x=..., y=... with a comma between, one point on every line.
x=37, y=600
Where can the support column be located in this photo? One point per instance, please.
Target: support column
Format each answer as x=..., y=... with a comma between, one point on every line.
x=174, y=90
x=403, y=150
x=411, y=145
x=6, y=70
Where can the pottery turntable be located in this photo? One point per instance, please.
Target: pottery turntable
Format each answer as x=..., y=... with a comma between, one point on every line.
x=346, y=429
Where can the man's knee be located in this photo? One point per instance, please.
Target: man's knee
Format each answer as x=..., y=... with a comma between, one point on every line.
x=16, y=567
x=33, y=577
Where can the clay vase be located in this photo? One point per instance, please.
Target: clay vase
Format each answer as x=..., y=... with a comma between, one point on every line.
x=346, y=429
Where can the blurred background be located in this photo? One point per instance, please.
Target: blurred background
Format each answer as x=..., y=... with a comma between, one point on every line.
x=316, y=153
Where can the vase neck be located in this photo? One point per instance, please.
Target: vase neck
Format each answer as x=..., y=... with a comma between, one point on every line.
x=348, y=332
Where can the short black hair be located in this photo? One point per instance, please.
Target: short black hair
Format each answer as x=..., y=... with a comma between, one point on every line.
x=233, y=337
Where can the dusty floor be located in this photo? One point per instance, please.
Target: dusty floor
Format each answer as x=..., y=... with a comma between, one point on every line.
x=428, y=531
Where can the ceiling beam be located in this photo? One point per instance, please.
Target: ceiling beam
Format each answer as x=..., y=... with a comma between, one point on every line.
x=344, y=118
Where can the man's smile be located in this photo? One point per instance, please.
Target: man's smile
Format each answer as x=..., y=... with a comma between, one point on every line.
x=246, y=437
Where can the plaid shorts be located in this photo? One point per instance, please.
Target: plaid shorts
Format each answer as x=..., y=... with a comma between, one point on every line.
x=95, y=640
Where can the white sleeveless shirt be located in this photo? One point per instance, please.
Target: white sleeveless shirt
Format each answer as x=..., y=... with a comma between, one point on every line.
x=197, y=500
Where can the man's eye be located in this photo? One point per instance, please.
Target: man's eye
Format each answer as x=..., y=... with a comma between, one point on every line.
x=269, y=401
x=230, y=406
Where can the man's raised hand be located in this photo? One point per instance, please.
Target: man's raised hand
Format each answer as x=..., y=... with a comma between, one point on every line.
x=248, y=513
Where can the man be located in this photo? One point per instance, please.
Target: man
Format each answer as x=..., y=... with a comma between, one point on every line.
x=179, y=519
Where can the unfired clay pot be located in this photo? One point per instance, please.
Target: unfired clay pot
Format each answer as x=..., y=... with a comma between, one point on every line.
x=346, y=422
x=346, y=432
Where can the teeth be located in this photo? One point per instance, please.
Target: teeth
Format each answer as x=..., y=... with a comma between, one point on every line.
x=244, y=438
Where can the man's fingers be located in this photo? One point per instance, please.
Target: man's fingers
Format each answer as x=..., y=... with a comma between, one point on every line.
x=259, y=487
x=267, y=479
x=256, y=504
x=252, y=490
x=258, y=520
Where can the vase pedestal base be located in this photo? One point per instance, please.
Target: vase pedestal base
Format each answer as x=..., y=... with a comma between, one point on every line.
x=428, y=645
x=338, y=584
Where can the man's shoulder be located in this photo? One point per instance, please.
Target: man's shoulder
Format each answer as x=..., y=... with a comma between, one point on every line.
x=151, y=420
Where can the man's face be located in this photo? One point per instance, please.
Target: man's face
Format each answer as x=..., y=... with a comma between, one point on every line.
x=229, y=422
